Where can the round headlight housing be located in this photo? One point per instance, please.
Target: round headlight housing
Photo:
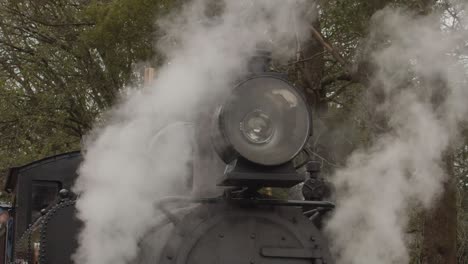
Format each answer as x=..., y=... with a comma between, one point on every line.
x=265, y=120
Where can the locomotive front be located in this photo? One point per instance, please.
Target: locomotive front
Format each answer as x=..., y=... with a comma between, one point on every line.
x=258, y=131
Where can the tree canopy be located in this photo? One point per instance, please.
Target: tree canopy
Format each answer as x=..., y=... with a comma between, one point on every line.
x=62, y=63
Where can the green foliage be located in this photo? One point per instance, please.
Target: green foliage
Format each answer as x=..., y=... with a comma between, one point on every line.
x=62, y=63
x=124, y=33
x=461, y=167
x=462, y=222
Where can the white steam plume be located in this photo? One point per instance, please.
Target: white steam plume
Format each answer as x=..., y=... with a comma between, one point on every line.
x=424, y=79
x=128, y=164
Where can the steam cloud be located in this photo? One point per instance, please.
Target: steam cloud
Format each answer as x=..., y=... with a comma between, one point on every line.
x=135, y=159
x=423, y=75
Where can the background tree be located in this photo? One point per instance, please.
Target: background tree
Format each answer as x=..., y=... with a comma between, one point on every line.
x=61, y=64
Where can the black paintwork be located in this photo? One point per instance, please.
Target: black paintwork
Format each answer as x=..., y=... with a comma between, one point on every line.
x=221, y=230
x=229, y=234
x=244, y=173
x=61, y=168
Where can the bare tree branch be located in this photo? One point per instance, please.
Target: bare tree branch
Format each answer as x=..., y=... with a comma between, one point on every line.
x=320, y=38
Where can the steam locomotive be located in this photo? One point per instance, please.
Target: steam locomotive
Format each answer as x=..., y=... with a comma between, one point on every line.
x=257, y=132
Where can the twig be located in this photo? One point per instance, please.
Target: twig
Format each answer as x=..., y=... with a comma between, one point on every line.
x=322, y=158
x=304, y=60
x=452, y=13
x=320, y=38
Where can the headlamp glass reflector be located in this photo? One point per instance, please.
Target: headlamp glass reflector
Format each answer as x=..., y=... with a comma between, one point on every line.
x=266, y=120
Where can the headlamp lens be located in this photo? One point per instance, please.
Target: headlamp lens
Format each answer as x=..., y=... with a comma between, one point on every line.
x=257, y=127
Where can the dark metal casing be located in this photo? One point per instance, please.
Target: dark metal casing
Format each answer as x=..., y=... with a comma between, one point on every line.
x=60, y=169
x=229, y=234
x=52, y=238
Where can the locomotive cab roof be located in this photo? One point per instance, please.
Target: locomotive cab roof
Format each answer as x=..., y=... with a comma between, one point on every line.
x=61, y=168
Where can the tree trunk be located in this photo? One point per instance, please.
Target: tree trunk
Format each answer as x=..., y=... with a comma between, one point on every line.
x=440, y=223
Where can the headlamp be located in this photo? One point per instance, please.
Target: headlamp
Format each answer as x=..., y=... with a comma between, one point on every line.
x=265, y=120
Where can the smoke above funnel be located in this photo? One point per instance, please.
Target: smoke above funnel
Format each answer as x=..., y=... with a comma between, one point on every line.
x=140, y=154
x=421, y=74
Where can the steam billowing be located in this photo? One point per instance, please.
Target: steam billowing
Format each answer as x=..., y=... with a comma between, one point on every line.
x=424, y=83
x=135, y=159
